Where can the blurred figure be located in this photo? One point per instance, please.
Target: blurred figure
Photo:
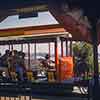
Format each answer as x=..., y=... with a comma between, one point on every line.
x=4, y=58
x=19, y=71
x=20, y=67
x=46, y=61
x=82, y=68
x=1, y=64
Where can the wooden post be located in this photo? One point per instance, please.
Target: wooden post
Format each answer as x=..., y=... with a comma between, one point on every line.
x=28, y=55
x=62, y=51
x=70, y=47
x=35, y=51
x=66, y=47
x=49, y=50
x=11, y=47
x=56, y=55
x=57, y=59
x=22, y=47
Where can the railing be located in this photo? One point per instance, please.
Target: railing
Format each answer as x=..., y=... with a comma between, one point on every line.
x=27, y=89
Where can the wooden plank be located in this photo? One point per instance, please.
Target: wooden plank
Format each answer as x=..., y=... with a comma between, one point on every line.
x=32, y=30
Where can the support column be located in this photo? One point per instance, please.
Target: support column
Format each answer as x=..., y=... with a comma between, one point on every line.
x=11, y=47
x=67, y=47
x=49, y=49
x=57, y=59
x=35, y=51
x=22, y=47
x=56, y=54
x=28, y=55
x=62, y=49
x=70, y=47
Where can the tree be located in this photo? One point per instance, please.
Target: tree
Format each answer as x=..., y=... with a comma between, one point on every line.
x=83, y=49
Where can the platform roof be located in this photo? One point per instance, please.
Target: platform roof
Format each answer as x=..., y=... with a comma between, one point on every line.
x=39, y=34
x=33, y=30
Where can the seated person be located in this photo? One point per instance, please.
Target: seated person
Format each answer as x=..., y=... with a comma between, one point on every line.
x=47, y=63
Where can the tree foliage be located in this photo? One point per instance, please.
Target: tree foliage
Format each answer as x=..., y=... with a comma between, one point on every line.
x=83, y=49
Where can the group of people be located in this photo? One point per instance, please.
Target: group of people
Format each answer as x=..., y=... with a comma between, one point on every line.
x=12, y=65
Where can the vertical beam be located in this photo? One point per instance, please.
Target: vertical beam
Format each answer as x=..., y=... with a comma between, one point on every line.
x=62, y=50
x=49, y=49
x=11, y=47
x=28, y=55
x=35, y=51
x=56, y=53
x=57, y=59
x=70, y=47
x=66, y=47
x=22, y=47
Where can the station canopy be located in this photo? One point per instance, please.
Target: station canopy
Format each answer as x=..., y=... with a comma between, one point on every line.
x=74, y=15
x=33, y=34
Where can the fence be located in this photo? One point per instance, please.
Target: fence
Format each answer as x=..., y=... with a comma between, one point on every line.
x=26, y=90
